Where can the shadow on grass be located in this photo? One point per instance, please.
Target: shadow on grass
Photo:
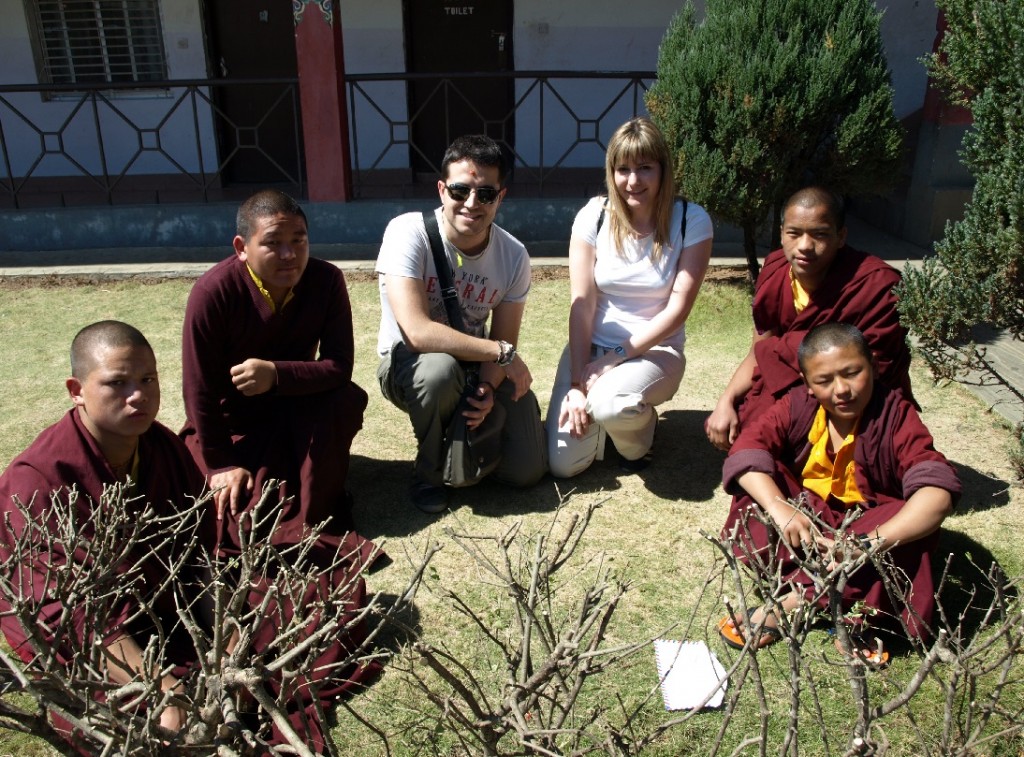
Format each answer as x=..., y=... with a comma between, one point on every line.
x=981, y=491
x=382, y=508
x=966, y=588
x=685, y=467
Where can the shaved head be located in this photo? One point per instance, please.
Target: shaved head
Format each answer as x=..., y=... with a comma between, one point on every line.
x=819, y=197
x=90, y=340
x=829, y=336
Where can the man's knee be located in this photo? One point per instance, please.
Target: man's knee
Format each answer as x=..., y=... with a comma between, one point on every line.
x=437, y=376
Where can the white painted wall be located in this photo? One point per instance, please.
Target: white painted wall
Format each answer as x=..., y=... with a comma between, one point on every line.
x=908, y=33
x=374, y=43
x=166, y=118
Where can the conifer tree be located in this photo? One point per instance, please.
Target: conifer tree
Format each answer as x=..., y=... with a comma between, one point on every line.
x=765, y=96
x=977, y=275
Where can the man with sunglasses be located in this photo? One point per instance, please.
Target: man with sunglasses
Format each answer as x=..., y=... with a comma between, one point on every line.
x=424, y=361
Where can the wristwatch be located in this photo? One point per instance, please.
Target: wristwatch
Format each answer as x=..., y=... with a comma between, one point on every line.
x=620, y=351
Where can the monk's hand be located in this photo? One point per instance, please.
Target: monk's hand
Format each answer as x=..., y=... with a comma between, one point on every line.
x=573, y=414
x=254, y=376
x=173, y=717
x=797, y=529
x=722, y=425
x=481, y=402
x=231, y=489
x=519, y=375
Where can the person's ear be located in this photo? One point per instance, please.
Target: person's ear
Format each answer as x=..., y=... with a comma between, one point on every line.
x=440, y=188
x=806, y=383
x=75, y=390
x=842, y=236
x=239, y=244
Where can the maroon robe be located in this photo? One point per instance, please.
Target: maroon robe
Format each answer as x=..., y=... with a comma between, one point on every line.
x=66, y=455
x=857, y=290
x=300, y=432
x=894, y=456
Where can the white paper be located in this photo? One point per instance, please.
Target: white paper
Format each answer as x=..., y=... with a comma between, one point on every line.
x=689, y=672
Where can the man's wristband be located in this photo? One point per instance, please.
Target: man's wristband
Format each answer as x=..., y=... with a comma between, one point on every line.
x=506, y=353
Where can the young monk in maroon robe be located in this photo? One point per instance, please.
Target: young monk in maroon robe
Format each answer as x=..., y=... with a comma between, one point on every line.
x=267, y=356
x=843, y=441
x=110, y=434
x=815, y=278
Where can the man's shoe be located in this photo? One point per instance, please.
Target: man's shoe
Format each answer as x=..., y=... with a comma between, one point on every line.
x=428, y=498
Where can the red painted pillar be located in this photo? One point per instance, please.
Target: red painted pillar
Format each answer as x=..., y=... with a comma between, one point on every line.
x=321, y=63
x=937, y=107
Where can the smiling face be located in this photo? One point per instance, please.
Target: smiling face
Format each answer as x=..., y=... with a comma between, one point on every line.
x=277, y=250
x=841, y=380
x=119, y=397
x=810, y=241
x=468, y=222
x=637, y=183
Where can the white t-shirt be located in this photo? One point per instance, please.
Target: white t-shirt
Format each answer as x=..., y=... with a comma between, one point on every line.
x=630, y=289
x=501, y=273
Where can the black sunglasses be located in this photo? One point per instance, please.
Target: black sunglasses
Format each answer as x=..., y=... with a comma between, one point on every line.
x=484, y=195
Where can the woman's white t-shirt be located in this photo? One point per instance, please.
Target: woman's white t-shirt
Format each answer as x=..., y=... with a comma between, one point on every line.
x=630, y=288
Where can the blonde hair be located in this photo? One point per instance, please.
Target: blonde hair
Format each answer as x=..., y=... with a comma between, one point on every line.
x=636, y=141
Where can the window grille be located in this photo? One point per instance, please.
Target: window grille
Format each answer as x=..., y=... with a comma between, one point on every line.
x=97, y=41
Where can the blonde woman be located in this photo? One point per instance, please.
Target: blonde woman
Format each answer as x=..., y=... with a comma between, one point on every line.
x=636, y=262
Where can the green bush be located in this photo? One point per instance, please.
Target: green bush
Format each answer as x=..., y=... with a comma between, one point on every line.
x=977, y=275
x=765, y=96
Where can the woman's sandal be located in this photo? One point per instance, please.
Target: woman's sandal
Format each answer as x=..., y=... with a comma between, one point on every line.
x=870, y=652
x=731, y=635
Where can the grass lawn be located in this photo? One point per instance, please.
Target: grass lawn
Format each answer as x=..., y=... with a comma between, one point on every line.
x=648, y=527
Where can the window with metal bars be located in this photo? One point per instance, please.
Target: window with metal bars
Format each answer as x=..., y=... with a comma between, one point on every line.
x=97, y=41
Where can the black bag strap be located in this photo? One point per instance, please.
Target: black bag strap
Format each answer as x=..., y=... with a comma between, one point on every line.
x=444, y=272
x=682, y=225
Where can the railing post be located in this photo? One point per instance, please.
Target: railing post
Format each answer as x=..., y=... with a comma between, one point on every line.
x=322, y=100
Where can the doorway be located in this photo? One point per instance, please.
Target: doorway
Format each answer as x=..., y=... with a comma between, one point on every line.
x=257, y=125
x=471, y=36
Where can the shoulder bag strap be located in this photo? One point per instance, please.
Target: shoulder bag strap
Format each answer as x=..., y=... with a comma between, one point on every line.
x=444, y=273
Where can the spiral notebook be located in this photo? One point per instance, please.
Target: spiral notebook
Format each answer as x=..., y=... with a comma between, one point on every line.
x=689, y=672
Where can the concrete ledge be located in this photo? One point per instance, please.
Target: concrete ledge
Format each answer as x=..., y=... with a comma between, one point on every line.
x=213, y=225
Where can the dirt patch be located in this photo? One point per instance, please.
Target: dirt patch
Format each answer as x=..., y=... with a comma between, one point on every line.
x=717, y=273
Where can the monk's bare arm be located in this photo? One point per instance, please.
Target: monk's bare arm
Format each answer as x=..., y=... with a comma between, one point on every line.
x=722, y=426
x=126, y=657
x=796, y=527
x=922, y=514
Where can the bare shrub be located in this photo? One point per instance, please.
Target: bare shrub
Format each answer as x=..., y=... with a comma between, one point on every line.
x=521, y=689
x=235, y=690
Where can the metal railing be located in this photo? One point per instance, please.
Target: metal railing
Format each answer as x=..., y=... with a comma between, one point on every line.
x=554, y=128
x=207, y=140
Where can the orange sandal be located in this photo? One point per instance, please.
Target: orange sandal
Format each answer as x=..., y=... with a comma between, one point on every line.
x=872, y=654
x=731, y=635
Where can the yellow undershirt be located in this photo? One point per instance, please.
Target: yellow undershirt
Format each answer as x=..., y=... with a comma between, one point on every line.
x=266, y=294
x=800, y=295
x=825, y=474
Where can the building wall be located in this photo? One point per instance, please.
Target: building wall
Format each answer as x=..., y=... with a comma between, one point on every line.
x=167, y=119
x=572, y=35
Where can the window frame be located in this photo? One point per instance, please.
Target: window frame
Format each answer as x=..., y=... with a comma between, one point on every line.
x=104, y=39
